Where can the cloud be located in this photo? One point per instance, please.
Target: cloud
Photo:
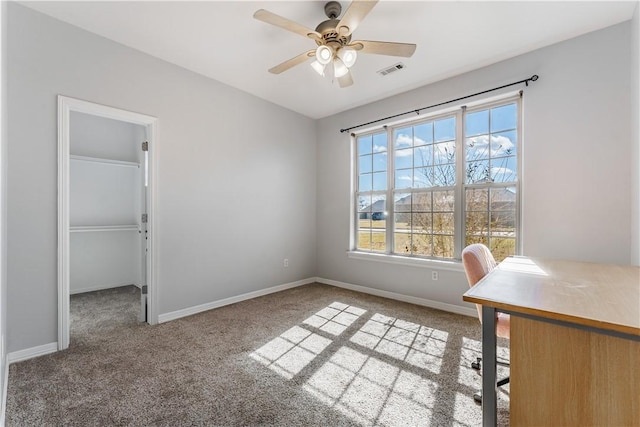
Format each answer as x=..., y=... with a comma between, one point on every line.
x=501, y=171
x=380, y=149
x=500, y=145
x=403, y=140
x=404, y=153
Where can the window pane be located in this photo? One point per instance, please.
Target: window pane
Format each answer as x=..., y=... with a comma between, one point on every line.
x=421, y=222
x=445, y=129
x=423, y=134
x=379, y=181
x=476, y=239
x=365, y=182
x=364, y=164
x=422, y=202
x=477, y=199
x=402, y=243
x=379, y=206
x=364, y=144
x=423, y=177
x=378, y=241
x=444, y=175
x=423, y=156
x=380, y=142
x=503, y=224
x=503, y=118
x=503, y=169
x=443, y=246
x=422, y=245
x=403, y=137
x=443, y=223
x=503, y=144
x=503, y=199
x=364, y=204
x=443, y=201
x=402, y=202
x=477, y=224
x=477, y=123
x=404, y=178
x=477, y=148
x=380, y=162
x=502, y=248
x=477, y=172
x=404, y=158
x=364, y=240
x=444, y=152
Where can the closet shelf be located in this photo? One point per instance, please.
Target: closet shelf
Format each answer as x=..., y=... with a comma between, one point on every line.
x=93, y=228
x=105, y=161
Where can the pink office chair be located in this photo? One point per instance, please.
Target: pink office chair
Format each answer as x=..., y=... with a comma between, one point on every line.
x=478, y=262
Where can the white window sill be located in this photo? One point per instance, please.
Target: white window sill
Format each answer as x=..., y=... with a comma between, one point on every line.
x=453, y=265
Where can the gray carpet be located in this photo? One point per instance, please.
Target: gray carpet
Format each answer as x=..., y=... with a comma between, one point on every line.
x=315, y=355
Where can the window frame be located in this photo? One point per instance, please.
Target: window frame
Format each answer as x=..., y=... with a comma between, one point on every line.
x=459, y=188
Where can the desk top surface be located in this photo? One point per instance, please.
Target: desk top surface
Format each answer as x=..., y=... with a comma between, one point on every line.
x=604, y=296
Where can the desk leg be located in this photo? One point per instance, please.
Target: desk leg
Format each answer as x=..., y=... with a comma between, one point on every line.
x=489, y=374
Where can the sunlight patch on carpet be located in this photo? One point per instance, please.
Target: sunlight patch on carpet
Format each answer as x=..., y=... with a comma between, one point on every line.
x=294, y=349
x=369, y=390
x=335, y=318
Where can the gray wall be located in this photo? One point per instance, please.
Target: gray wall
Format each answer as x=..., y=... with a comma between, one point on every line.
x=3, y=203
x=576, y=176
x=635, y=136
x=235, y=178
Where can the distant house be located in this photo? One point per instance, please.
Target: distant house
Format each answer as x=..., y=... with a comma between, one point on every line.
x=375, y=211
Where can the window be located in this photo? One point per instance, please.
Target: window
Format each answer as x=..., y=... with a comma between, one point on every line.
x=430, y=187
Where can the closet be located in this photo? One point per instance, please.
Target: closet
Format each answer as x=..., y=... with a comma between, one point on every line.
x=106, y=202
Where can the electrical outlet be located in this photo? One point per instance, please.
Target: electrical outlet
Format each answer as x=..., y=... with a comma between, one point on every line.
x=434, y=275
x=286, y=262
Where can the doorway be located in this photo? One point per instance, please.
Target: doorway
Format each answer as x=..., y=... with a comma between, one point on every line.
x=105, y=205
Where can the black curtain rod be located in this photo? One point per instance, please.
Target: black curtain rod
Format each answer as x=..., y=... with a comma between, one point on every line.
x=417, y=111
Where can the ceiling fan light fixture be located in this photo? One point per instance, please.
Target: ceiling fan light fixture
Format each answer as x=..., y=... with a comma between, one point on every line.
x=339, y=68
x=318, y=67
x=324, y=54
x=348, y=56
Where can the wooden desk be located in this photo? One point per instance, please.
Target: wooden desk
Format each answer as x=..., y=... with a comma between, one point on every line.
x=575, y=342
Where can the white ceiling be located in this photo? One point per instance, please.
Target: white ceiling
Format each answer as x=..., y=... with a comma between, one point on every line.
x=222, y=40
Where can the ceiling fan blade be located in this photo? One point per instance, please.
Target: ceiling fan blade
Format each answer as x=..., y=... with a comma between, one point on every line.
x=296, y=60
x=279, y=21
x=384, y=48
x=345, y=80
x=354, y=15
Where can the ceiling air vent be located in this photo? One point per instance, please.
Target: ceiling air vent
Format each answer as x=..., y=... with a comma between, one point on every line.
x=396, y=67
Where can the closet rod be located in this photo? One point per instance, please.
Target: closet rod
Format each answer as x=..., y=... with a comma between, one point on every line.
x=417, y=111
x=91, y=228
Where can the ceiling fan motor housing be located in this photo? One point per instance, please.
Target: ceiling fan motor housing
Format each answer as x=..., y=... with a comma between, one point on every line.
x=330, y=35
x=328, y=28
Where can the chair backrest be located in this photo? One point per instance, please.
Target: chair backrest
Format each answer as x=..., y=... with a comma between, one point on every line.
x=478, y=262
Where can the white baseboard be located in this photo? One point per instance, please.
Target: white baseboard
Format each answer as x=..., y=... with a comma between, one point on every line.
x=166, y=317
x=30, y=353
x=400, y=297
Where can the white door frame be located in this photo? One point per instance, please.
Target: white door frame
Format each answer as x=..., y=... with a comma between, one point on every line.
x=65, y=106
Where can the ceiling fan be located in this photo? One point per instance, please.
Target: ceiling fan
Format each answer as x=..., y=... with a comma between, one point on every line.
x=336, y=53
